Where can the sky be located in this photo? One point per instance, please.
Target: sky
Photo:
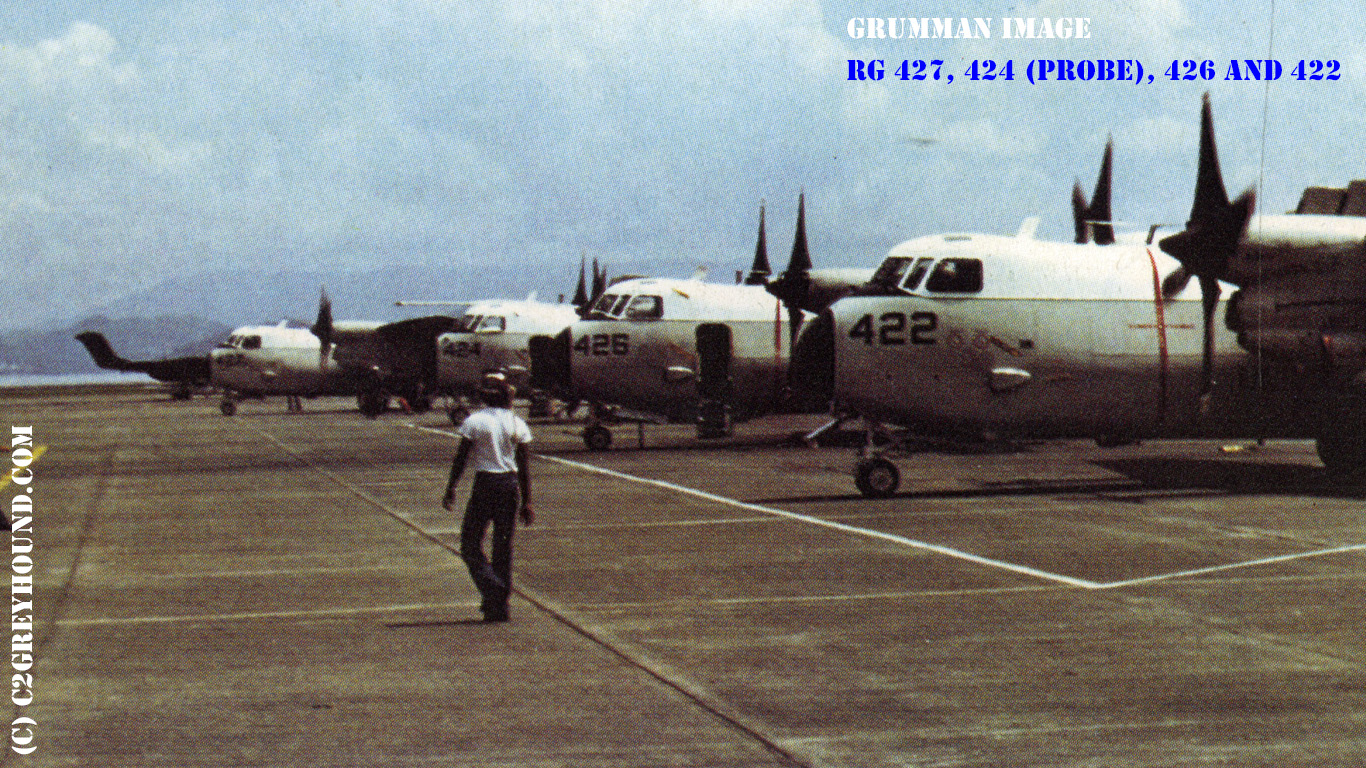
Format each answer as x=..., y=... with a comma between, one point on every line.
x=147, y=142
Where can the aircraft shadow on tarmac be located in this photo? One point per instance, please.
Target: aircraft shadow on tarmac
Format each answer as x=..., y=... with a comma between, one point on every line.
x=1142, y=478
x=1175, y=474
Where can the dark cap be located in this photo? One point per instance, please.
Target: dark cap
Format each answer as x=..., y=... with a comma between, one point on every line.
x=495, y=385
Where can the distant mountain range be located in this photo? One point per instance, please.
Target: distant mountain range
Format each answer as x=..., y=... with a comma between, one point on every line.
x=189, y=317
x=136, y=338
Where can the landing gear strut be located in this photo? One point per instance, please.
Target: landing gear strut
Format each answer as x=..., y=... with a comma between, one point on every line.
x=875, y=476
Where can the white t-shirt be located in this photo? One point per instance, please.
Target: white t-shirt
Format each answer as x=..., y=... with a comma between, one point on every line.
x=494, y=434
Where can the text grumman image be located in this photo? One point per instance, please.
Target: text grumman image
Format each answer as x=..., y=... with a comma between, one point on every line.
x=617, y=383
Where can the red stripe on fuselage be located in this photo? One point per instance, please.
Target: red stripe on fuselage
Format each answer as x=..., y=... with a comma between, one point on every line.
x=1160, y=307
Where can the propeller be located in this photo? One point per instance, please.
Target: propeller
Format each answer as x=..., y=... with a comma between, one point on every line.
x=1092, y=220
x=581, y=291
x=793, y=286
x=760, y=270
x=322, y=328
x=1210, y=239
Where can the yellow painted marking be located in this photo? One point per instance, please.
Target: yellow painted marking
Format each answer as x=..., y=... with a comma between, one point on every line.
x=38, y=452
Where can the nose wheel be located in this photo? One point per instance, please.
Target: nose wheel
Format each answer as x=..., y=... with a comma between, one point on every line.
x=597, y=437
x=876, y=478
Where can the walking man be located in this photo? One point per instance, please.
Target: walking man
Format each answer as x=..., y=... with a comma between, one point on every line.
x=493, y=441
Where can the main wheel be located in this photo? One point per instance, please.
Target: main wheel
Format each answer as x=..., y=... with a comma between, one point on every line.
x=227, y=407
x=876, y=478
x=372, y=403
x=597, y=437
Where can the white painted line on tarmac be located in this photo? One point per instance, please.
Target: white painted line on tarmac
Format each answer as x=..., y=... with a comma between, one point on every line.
x=834, y=526
x=841, y=527
x=926, y=546
x=1233, y=566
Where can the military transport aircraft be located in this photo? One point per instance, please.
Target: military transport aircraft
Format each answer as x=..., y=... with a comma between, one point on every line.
x=372, y=360
x=494, y=336
x=685, y=350
x=996, y=335
x=186, y=374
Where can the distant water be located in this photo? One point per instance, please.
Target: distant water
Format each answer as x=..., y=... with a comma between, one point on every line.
x=73, y=379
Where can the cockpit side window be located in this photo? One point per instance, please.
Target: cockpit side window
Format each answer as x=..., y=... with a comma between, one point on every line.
x=917, y=273
x=645, y=308
x=251, y=342
x=956, y=276
x=492, y=324
x=605, y=303
x=620, y=306
x=467, y=323
x=890, y=272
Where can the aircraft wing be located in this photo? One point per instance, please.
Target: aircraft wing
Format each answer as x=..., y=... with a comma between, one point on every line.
x=405, y=349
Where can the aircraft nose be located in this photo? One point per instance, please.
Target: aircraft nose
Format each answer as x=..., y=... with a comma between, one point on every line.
x=811, y=372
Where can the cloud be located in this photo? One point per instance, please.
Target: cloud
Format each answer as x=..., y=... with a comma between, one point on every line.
x=177, y=139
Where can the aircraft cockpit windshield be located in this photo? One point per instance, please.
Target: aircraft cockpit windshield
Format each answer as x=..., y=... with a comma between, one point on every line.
x=467, y=323
x=238, y=341
x=645, y=308
x=956, y=276
x=614, y=306
x=901, y=272
x=492, y=324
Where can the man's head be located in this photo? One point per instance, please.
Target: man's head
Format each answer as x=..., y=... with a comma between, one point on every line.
x=495, y=391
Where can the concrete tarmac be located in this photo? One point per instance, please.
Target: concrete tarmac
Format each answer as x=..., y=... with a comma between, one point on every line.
x=279, y=589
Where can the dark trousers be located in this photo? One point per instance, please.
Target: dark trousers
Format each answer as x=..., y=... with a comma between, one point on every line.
x=493, y=499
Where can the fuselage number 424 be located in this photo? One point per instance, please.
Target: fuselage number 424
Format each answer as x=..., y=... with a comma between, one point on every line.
x=895, y=328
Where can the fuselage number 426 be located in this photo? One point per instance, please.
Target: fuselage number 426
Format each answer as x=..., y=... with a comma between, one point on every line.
x=895, y=328
x=603, y=344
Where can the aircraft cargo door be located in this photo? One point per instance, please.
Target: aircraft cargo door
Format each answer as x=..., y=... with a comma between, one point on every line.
x=714, y=379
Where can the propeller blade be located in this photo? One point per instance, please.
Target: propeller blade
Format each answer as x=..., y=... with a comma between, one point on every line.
x=1175, y=283
x=793, y=286
x=581, y=290
x=1210, y=240
x=1211, y=198
x=760, y=270
x=801, y=253
x=1079, y=214
x=1092, y=221
x=794, y=327
x=1209, y=302
x=1099, y=210
x=322, y=328
x=599, y=285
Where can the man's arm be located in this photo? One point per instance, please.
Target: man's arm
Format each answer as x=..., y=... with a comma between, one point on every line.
x=524, y=483
x=457, y=468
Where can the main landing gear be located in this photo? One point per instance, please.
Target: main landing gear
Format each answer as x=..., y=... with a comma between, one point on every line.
x=372, y=402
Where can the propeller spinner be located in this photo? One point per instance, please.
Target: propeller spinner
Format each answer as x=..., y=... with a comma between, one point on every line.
x=1210, y=238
